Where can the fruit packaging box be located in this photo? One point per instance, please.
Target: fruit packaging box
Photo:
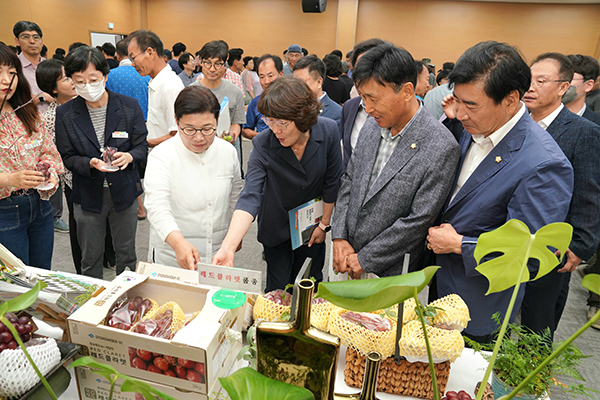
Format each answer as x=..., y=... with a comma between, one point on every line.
x=192, y=360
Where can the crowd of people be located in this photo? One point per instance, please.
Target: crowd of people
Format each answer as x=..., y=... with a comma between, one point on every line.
x=405, y=159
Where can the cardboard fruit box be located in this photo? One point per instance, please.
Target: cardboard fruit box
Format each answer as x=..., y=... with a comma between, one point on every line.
x=192, y=360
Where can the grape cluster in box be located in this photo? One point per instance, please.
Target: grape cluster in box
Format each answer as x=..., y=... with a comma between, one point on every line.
x=201, y=344
x=24, y=327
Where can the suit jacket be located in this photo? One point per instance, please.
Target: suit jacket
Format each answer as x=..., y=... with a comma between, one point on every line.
x=579, y=139
x=276, y=181
x=393, y=216
x=349, y=112
x=77, y=143
x=331, y=109
x=591, y=115
x=527, y=177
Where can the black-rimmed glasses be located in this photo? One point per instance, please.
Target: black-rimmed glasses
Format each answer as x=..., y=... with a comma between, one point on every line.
x=190, y=131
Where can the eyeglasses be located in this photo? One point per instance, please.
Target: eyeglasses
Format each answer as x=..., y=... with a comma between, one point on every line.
x=81, y=85
x=276, y=122
x=133, y=58
x=26, y=36
x=208, y=64
x=190, y=131
x=539, y=83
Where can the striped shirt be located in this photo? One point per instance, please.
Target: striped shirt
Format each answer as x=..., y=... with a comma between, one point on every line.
x=387, y=145
x=98, y=117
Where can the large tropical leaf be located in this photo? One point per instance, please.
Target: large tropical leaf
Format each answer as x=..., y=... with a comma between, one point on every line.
x=592, y=283
x=518, y=245
x=97, y=367
x=145, y=389
x=22, y=301
x=247, y=384
x=366, y=295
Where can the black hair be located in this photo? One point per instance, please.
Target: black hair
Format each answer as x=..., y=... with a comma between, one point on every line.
x=60, y=51
x=304, y=52
x=285, y=52
x=587, y=66
x=345, y=67
x=565, y=70
x=79, y=59
x=498, y=64
x=337, y=53
x=109, y=49
x=122, y=48
x=364, y=46
x=246, y=60
x=145, y=39
x=196, y=99
x=47, y=74
x=386, y=64
x=333, y=65
x=234, y=55
x=23, y=26
x=178, y=48
x=75, y=45
x=276, y=60
x=184, y=59
x=448, y=65
x=167, y=53
x=44, y=51
x=349, y=55
x=215, y=49
x=314, y=64
x=15, y=49
x=441, y=75
x=419, y=66
x=28, y=114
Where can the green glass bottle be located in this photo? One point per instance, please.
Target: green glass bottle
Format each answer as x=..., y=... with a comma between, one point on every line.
x=296, y=353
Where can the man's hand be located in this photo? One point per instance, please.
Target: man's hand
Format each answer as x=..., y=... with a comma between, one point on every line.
x=341, y=250
x=187, y=255
x=26, y=179
x=571, y=263
x=444, y=239
x=122, y=160
x=318, y=236
x=223, y=258
x=354, y=268
x=449, y=106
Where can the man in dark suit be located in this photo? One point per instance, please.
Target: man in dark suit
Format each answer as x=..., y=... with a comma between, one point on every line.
x=97, y=119
x=579, y=139
x=399, y=175
x=586, y=69
x=354, y=115
x=510, y=168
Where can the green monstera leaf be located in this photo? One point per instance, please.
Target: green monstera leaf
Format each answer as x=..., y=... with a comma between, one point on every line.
x=365, y=295
x=247, y=384
x=517, y=244
x=97, y=368
x=22, y=301
x=592, y=283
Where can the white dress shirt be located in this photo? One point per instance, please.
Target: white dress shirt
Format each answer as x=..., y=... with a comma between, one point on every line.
x=545, y=123
x=162, y=92
x=194, y=194
x=359, y=121
x=481, y=147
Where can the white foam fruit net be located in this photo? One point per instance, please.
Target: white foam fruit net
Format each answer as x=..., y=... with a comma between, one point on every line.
x=17, y=375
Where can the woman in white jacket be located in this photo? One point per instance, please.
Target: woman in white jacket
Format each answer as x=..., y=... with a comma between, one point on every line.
x=192, y=184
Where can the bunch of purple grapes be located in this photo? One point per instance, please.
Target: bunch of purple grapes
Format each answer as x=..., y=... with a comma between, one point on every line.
x=452, y=395
x=24, y=327
x=279, y=297
x=44, y=168
x=109, y=155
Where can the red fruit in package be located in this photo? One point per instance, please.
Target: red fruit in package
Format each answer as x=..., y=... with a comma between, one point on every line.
x=161, y=363
x=170, y=372
x=369, y=321
x=139, y=363
x=199, y=368
x=187, y=363
x=127, y=312
x=154, y=368
x=159, y=326
x=194, y=376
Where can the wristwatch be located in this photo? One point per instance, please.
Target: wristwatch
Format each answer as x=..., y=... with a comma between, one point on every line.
x=41, y=98
x=325, y=228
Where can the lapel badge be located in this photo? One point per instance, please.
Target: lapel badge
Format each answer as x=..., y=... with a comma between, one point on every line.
x=413, y=146
x=498, y=159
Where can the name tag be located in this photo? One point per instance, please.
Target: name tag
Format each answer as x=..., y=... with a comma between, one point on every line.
x=120, y=135
x=32, y=144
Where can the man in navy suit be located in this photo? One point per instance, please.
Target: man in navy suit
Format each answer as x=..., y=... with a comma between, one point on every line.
x=312, y=71
x=586, y=69
x=579, y=139
x=510, y=168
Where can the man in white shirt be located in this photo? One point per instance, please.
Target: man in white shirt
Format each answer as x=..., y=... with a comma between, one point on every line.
x=511, y=169
x=579, y=139
x=145, y=51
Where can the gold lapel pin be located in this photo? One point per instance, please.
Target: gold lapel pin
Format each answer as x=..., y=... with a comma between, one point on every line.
x=498, y=159
x=413, y=146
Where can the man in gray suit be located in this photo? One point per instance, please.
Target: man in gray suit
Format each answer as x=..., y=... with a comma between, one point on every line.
x=399, y=175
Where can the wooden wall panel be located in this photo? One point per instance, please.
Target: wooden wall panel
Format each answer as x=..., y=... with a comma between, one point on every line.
x=257, y=26
x=443, y=30
x=66, y=21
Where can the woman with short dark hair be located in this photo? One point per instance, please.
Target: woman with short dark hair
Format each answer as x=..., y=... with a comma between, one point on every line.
x=88, y=129
x=26, y=227
x=192, y=184
x=332, y=85
x=296, y=160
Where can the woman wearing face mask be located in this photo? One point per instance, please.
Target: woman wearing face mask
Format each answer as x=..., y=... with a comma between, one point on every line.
x=97, y=119
x=25, y=213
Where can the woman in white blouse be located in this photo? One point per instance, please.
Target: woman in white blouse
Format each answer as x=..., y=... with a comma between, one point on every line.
x=192, y=184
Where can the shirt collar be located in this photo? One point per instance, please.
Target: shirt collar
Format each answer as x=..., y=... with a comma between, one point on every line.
x=501, y=132
x=161, y=76
x=545, y=123
x=323, y=95
x=125, y=61
x=580, y=112
x=25, y=62
x=386, y=133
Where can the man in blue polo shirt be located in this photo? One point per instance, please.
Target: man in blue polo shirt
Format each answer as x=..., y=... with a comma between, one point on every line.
x=270, y=67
